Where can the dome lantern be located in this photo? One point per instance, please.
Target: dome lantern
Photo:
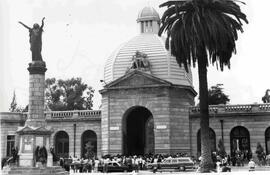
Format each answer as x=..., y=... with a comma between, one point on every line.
x=146, y=52
x=148, y=20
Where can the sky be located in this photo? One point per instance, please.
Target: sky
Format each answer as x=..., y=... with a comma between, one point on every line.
x=79, y=36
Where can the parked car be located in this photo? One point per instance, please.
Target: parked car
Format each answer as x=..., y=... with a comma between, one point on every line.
x=179, y=163
x=114, y=167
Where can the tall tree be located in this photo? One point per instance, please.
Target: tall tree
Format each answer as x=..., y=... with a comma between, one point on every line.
x=70, y=94
x=202, y=31
x=216, y=95
x=13, y=105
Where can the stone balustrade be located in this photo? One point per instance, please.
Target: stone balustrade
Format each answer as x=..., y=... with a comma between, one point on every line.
x=265, y=106
x=54, y=115
x=73, y=115
x=96, y=114
x=243, y=108
x=59, y=114
x=228, y=109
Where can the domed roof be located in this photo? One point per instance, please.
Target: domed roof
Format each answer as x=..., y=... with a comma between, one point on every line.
x=148, y=13
x=162, y=64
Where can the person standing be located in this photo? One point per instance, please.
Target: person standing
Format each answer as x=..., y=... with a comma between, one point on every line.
x=96, y=165
x=251, y=165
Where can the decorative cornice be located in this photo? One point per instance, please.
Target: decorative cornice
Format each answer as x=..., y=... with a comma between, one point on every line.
x=137, y=72
x=233, y=110
x=37, y=67
x=51, y=116
x=72, y=119
x=34, y=130
x=68, y=116
x=12, y=117
x=160, y=83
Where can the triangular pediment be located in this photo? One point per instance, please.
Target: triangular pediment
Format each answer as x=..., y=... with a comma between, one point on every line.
x=34, y=130
x=42, y=129
x=25, y=129
x=137, y=79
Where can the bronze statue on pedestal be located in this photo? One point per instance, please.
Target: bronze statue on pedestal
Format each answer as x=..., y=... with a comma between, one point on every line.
x=35, y=40
x=266, y=97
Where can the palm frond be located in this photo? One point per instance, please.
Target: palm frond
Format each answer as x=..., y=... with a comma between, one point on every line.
x=172, y=3
x=191, y=24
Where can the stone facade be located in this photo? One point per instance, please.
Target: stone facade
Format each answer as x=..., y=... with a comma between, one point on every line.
x=255, y=118
x=10, y=121
x=75, y=123
x=57, y=121
x=168, y=104
x=223, y=118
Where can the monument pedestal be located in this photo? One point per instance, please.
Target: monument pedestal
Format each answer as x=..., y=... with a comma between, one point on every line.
x=35, y=132
x=30, y=139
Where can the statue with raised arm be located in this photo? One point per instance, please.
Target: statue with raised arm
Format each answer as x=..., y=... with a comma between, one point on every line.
x=35, y=40
x=266, y=97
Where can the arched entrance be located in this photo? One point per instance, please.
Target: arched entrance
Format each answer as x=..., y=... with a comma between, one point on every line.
x=89, y=143
x=138, y=131
x=61, y=144
x=212, y=140
x=267, y=140
x=240, y=140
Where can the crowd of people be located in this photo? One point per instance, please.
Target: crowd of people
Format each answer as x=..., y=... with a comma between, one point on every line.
x=139, y=162
x=134, y=163
x=236, y=159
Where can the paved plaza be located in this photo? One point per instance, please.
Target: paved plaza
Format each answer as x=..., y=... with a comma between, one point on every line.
x=264, y=170
x=169, y=173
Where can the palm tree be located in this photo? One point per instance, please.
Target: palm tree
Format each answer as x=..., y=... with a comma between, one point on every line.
x=202, y=31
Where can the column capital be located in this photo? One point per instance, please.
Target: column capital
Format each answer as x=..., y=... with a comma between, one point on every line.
x=37, y=67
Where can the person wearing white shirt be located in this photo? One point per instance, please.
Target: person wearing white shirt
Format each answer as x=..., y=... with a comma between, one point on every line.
x=251, y=165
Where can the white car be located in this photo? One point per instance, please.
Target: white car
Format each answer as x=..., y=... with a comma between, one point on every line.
x=179, y=163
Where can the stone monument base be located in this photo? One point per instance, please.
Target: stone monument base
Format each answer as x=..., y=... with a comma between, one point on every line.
x=30, y=139
x=54, y=170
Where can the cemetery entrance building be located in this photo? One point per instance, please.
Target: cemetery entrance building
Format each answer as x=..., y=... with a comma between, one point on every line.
x=147, y=106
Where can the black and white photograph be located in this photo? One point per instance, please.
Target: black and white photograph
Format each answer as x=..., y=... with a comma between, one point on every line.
x=134, y=87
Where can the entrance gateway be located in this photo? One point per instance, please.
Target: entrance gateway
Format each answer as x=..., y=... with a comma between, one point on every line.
x=145, y=96
x=138, y=131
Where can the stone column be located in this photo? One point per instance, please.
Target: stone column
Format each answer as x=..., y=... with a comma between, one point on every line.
x=35, y=132
x=36, y=116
